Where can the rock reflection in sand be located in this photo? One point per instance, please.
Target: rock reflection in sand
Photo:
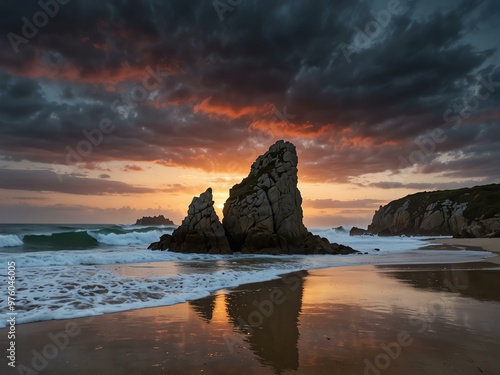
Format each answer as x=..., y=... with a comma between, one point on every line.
x=270, y=317
x=320, y=322
x=266, y=316
x=204, y=307
x=475, y=281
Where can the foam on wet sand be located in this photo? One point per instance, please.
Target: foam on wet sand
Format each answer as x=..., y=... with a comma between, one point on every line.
x=387, y=319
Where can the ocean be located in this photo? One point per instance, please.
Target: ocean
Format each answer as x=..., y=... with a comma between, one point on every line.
x=69, y=271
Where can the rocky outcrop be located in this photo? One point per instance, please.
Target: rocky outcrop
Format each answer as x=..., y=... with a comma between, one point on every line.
x=154, y=220
x=468, y=212
x=164, y=243
x=263, y=213
x=483, y=228
x=201, y=231
x=355, y=231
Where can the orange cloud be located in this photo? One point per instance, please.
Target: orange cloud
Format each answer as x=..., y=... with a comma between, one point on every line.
x=101, y=46
x=227, y=162
x=70, y=73
x=39, y=68
x=289, y=129
x=208, y=107
x=346, y=141
x=132, y=168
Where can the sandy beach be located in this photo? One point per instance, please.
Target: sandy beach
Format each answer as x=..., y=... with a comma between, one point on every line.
x=397, y=319
x=249, y=187
x=488, y=244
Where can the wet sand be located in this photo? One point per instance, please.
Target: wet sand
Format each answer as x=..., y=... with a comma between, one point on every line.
x=488, y=244
x=413, y=319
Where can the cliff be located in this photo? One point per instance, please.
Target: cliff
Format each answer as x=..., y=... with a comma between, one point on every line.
x=468, y=212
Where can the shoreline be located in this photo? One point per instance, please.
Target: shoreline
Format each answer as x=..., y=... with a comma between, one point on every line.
x=488, y=244
x=311, y=321
x=165, y=269
x=343, y=319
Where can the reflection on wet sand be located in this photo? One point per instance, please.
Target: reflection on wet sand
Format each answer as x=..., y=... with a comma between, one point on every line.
x=337, y=320
x=269, y=318
x=204, y=307
x=478, y=281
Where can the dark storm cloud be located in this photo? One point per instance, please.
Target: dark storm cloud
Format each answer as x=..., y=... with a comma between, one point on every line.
x=475, y=161
x=224, y=78
x=32, y=180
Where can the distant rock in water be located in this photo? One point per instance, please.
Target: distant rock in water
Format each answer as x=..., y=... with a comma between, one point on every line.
x=466, y=213
x=201, y=231
x=340, y=229
x=355, y=231
x=263, y=213
x=155, y=220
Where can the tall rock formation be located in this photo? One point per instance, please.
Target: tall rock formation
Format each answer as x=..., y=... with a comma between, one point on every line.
x=201, y=231
x=263, y=213
x=473, y=212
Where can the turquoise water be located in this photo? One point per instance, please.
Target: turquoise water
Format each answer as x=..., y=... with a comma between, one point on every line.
x=44, y=237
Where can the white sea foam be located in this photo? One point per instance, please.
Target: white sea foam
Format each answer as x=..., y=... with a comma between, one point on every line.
x=110, y=239
x=137, y=253
x=60, y=292
x=80, y=283
x=89, y=257
x=393, y=244
x=10, y=240
x=131, y=238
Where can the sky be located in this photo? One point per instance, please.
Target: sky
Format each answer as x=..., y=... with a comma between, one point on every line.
x=112, y=110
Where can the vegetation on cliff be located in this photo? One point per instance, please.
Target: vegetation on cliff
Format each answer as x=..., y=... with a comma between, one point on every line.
x=448, y=212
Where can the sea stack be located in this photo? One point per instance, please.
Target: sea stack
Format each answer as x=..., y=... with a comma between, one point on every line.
x=200, y=231
x=263, y=213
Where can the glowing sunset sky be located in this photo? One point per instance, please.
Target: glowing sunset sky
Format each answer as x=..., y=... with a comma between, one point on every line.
x=177, y=96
